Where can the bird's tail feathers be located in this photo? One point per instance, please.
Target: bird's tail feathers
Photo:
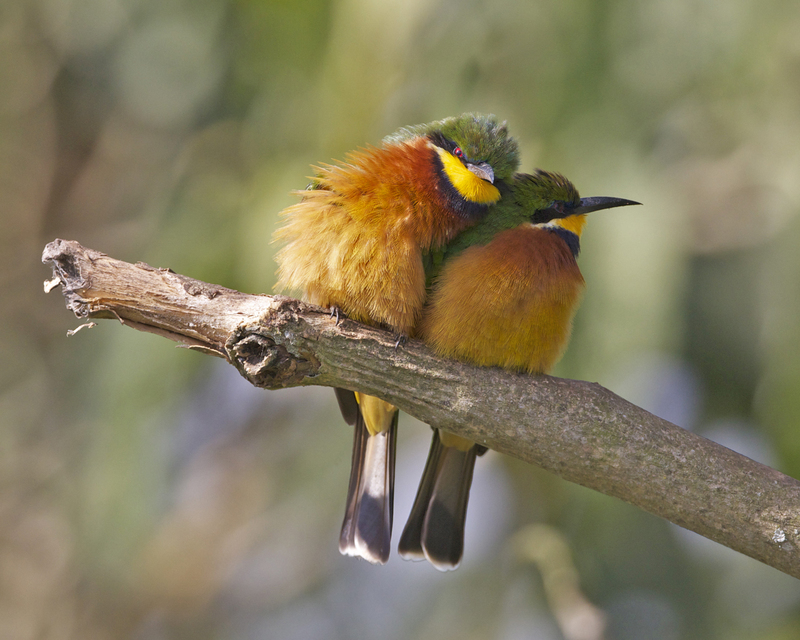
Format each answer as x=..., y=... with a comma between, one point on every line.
x=367, y=525
x=435, y=528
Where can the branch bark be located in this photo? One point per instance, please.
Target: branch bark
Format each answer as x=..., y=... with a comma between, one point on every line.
x=578, y=430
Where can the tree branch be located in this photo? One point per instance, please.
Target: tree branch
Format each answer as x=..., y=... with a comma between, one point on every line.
x=578, y=430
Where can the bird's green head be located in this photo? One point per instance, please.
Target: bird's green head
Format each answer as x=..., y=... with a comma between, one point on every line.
x=472, y=155
x=481, y=139
x=542, y=196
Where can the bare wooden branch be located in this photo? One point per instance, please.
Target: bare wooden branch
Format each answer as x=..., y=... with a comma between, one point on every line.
x=578, y=430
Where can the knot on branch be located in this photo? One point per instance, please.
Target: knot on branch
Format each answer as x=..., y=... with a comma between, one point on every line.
x=268, y=364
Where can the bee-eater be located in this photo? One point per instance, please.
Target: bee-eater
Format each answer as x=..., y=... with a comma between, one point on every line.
x=504, y=294
x=355, y=243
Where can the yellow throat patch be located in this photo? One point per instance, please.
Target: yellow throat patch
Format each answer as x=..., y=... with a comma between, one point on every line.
x=572, y=223
x=470, y=186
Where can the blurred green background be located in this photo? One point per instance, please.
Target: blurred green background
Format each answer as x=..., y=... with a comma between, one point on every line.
x=148, y=492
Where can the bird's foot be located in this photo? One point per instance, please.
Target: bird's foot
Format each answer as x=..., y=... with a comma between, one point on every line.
x=401, y=340
x=337, y=313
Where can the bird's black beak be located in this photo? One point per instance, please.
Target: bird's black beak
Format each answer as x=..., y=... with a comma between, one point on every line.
x=587, y=205
x=559, y=210
x=482, y=169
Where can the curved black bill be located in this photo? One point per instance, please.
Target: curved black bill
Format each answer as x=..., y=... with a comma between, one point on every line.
x=559, y=210
x=588, y=205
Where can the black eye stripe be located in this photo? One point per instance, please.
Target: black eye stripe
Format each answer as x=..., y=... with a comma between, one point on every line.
x=448, y=145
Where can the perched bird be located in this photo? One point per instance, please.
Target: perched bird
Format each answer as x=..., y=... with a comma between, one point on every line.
x=504, y=294
x=355, y=243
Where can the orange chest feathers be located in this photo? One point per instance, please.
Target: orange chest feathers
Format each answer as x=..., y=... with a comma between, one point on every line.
x=509, y=303
x=356, y=240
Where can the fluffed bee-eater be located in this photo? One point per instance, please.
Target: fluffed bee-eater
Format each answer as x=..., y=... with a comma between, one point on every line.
x=356, y=241
x=504, y=294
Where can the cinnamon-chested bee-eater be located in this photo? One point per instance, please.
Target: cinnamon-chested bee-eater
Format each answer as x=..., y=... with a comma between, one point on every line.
x=504, y=294
x=355, y=243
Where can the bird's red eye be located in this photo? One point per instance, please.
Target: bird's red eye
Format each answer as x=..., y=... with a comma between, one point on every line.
x=458, y=153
